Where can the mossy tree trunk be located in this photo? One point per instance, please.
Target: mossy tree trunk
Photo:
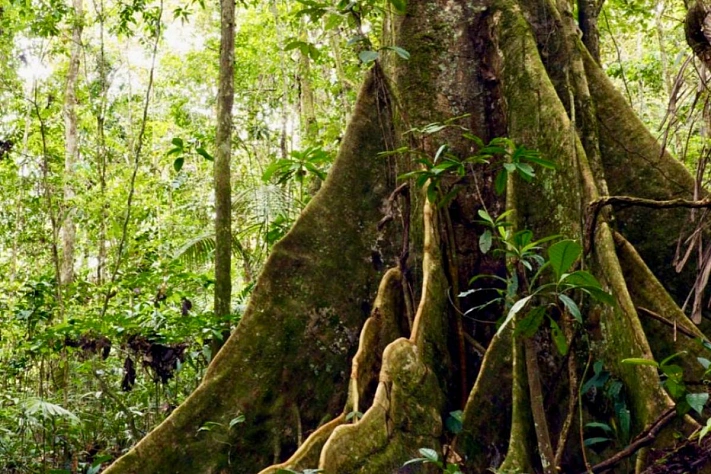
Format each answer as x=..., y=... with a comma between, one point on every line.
x=371, y=271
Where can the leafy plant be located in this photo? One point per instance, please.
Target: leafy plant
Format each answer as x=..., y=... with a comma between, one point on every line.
x=181, y=149
x=617, y=429
x=446, y=164
x=430, y=456
x=311, y=161
x=673, y=382
x=523, y=251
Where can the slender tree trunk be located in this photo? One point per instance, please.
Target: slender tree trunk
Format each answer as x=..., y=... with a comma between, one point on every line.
x=223, y=142
x=71, y=146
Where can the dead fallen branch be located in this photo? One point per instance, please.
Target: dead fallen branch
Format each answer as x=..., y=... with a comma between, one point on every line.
x=645, y=438
x=594, y=208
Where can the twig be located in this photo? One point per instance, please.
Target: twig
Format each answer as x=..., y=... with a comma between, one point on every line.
x=475, y=344
x=645, y=438
x=658, y=317
x=594, y=208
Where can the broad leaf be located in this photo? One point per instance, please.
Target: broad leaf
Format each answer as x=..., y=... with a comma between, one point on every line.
x=202, y=152
x=559, y=338
x=697, y=401
x=429, y=454
x=178, y=163
x=485, y=241
x=572, y=307
x=400, y=6
x=562, y=255
x=528, y=326
x=404, y=54
x=368, y=56
x=518, y=306
x=500, y=182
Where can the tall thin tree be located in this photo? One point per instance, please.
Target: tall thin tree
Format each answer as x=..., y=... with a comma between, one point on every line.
x=223, y=141
x=71, y=145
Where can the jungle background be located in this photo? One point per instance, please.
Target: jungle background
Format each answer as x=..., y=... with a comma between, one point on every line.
x=107, y=144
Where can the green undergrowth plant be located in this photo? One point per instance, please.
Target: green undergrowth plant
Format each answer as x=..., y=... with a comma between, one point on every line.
x=672, y=376
x=441, y=175
x=606, y=393
x=430, y=456
x=552, y=288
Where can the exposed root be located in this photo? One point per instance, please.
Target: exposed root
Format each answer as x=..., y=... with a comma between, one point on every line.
x=307, y=456
x=382, y=327
x=487, y=415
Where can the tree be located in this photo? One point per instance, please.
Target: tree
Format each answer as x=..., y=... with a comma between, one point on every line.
x=223, y=141
x=370, y=272
x=71, y=145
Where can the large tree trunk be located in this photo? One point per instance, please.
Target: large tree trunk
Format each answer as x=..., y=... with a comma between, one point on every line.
x=512, y=68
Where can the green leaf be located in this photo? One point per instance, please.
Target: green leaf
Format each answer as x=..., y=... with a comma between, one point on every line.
x=500, y=182
x=541, y=162
x=704, y=362
x=454, y=422
x=559, y=338
x=293, y=45
x=178, y=163
x=671, y=357
x=528, y=326
x=640, y=361
x=36, y=406
x=625, y=417
x=485, y=241
x=593, y=441
x=697, y=401
x=404, y=54
x=673, y=372
x=429, y=454
x=236, y=420
x=202, y=152
x=572, y=307
x=526, y=170
x=178, y=142
x=562, y=255
x=518, y=306
x=676, y=388
x=368, y=56
x=705, y=430
x=582, y=279
x=602, y=426
x=485, y=215
x=400, y=6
